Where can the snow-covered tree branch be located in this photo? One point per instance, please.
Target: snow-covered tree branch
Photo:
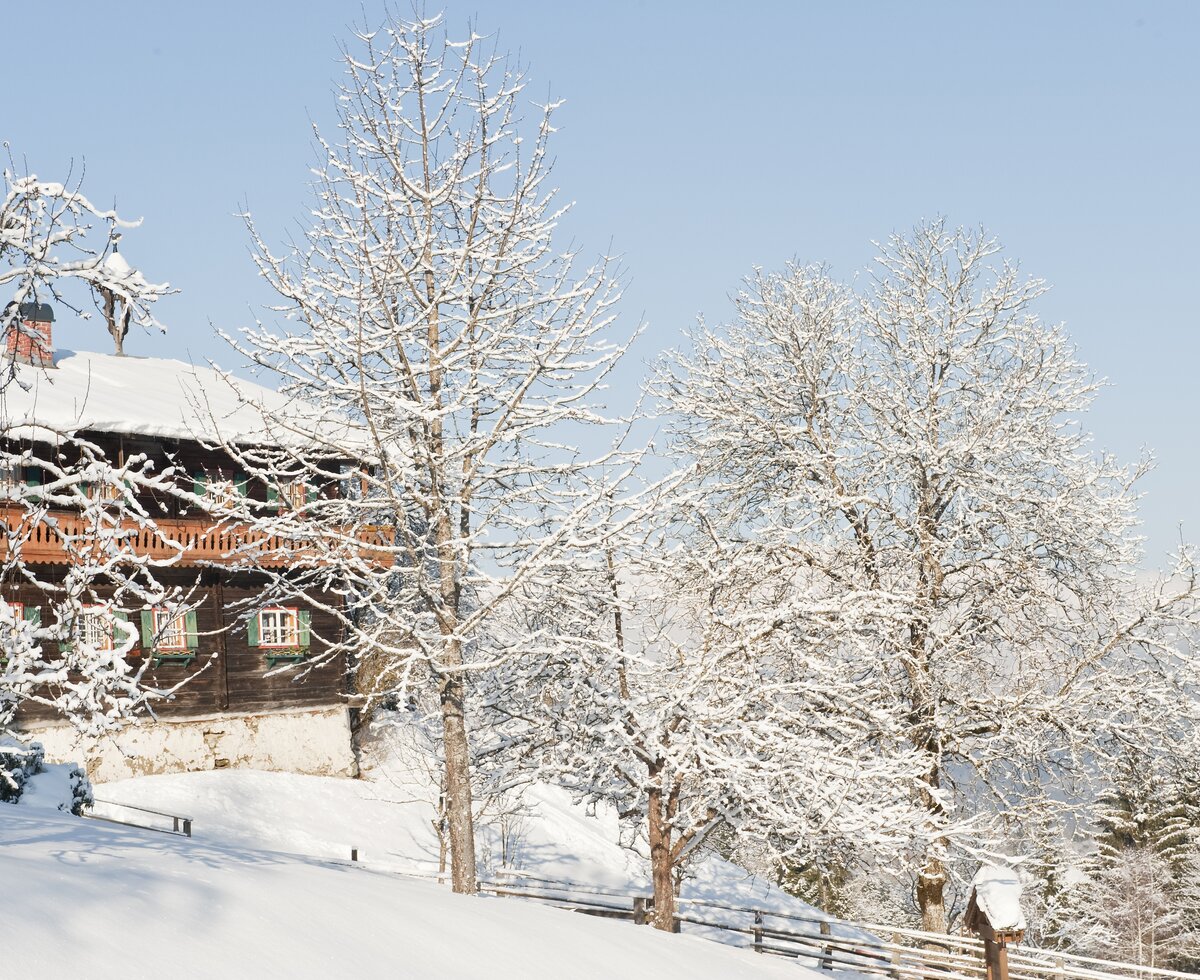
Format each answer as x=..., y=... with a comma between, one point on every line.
x=51, y=236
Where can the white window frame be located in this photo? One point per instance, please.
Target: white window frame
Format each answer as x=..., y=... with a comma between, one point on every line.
x=18, y=609
x=91, y=620
x=286, y=635
x=170, y=629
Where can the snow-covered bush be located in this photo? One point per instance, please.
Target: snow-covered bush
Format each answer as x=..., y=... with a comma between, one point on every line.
x=81, y=791
x=17, y=764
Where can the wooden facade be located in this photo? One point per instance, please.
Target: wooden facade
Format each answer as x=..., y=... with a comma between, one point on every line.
x=226, y=672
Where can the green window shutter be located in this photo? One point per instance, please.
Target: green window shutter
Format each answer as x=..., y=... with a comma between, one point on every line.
x=252, y=630
x=33, y=476
x=148, y=628
x=272, y=495
x=193, y=629
x=199, y=482
x=311, y=493
x=304, y=622
x=120, y=616
x=33, y=616
x=241, y=483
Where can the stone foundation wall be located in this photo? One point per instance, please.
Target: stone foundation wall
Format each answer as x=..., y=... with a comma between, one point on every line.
x=312, y=741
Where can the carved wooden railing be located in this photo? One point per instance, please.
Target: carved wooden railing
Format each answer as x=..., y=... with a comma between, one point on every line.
x=189, y=541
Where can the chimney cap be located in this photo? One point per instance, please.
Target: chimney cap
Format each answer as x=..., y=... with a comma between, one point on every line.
x=37, y=312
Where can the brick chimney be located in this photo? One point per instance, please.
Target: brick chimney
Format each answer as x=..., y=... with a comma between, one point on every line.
x=31, y=342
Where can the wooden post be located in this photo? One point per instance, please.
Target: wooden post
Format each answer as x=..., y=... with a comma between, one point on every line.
x=187, y=826
x=1060, y=968
x=758, y=931
x=894, y=972
x=639, y=911
x=354, y=854
x=827, y=949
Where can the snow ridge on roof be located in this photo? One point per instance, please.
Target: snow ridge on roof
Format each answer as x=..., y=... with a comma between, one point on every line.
x=153, y=396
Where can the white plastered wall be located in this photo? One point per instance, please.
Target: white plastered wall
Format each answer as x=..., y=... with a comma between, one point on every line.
x=313, y=741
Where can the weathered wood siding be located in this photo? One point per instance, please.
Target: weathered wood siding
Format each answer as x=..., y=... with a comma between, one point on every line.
x=228, y=674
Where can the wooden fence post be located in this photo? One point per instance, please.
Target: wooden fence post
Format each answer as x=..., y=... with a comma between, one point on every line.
x=758, y=932
x=639, y=911
x=827, y=949
x=895, y=970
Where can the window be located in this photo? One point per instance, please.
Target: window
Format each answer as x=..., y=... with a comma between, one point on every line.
x=219, y=488
x=18, y=609
x=94, y=628
x=169, y=635
x=295, y=494
x=219, y=491
x=102, y=491
x=279, y=627
x=170, y=630
x=10, y=474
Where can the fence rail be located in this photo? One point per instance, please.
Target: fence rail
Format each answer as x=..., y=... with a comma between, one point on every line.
x=180, y=826
x=831, y=944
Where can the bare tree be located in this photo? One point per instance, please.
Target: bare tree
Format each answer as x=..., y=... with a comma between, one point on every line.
x=48, y=240
x=696, y=715
x=916, y=451
x=461, y=349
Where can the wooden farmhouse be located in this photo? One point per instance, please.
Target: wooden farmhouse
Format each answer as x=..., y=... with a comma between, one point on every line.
x=258, y=702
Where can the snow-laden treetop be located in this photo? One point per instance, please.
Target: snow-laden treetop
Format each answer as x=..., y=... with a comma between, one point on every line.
x=998, y=895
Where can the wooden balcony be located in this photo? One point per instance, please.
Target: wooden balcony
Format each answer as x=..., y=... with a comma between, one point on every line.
x=190, y=542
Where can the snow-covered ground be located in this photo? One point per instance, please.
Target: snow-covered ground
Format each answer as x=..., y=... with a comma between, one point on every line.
x=389, y=822
x=265, y=888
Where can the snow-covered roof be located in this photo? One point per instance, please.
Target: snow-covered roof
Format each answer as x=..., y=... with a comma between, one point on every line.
x=998, y=896
x=153, y=396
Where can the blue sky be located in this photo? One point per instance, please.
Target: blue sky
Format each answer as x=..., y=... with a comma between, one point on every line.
x=698, y=140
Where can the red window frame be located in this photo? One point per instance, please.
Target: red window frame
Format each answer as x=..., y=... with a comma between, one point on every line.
x=89, y=611
x=161, y=629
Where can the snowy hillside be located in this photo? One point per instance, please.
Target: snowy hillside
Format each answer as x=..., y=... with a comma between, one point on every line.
x=109, y=901
x=325, y=817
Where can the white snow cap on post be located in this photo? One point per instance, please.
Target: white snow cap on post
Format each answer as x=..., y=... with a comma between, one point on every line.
x=998, y=896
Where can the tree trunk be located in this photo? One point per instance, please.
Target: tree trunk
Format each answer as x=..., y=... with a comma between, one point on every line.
x=931, y=896
x=459, y=818
x=660, y=864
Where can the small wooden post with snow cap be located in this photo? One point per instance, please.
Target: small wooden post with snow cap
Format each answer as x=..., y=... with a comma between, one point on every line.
x=994, y=914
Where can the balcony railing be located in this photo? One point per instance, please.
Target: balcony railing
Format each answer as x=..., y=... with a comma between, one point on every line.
x=189, y=541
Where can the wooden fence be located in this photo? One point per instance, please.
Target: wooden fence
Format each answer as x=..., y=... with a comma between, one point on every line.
x=830, y=944
x=128, y=815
